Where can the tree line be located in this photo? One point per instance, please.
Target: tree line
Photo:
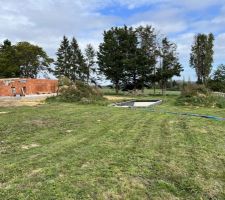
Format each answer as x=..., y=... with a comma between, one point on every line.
x=132, y=58
x=137, y=57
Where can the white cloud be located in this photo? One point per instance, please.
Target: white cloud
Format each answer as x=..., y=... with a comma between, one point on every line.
x=44, y=22
x=220, y=49
x=187, y=4
x=168, y=20
x=184, y=42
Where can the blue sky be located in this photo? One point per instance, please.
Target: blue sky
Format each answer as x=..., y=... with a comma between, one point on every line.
x=44, y=22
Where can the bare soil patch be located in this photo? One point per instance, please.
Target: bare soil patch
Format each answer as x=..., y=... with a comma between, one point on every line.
x=116, y=98
x=29, y=146
x=31, y=100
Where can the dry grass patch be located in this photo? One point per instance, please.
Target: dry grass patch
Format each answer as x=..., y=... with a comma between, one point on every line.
x=30, y=146
x=116, y=98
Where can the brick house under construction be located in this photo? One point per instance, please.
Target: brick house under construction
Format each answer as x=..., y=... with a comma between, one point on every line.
x=27, y=86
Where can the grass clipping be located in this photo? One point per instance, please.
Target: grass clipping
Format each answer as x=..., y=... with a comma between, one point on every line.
x=78, y=92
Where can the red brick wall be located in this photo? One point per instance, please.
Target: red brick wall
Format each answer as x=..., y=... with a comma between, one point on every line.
x=30, y=86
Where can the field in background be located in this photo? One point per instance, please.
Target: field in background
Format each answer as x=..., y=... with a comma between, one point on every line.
x=71, y=151
x=108, y=91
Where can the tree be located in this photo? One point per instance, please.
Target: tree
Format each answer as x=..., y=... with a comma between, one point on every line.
x=23, y=59
x=201, y=57
x=32, y=59
x=219, y=74
x=132, y=58
x=129, y=57
x=78, y=68
x=70, y=61
x=146, y=37
x=114, y=55
x=8, y=62
x=62, y=65
x=169, y=64
x=217, y=82
x=90, y=62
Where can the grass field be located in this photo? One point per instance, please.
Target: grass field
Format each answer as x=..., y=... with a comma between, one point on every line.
x=71, y=151
x=109, y=91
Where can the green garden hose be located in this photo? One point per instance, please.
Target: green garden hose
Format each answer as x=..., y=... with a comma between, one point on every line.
x=189, y=114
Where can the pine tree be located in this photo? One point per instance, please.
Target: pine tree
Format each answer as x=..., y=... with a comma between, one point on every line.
x=62, y=65
x=74, y=65
x=70, y=61
x=78, y=69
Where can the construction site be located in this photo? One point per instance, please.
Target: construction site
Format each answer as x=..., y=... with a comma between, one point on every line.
x=26, y=91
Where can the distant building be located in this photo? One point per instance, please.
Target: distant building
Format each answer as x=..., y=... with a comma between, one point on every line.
x=27, y=86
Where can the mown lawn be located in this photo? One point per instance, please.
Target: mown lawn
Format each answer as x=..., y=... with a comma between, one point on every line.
x=70, y=151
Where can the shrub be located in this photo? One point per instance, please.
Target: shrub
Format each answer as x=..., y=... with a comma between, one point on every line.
x=64, y=81
x=217, y=86
x=220, y=103
x=207, y=101
x=78, y=92
x=191, y=90
x=198, y=95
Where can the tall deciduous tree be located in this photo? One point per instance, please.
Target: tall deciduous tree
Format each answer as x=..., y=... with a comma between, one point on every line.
x=90, y=55
x=219, y=74
x=217, y=82
x=9, y=66
x=169, y=64
x=201, y=57
x=32, y=59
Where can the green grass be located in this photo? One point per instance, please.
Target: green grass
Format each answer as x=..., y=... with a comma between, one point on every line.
x=71, y=151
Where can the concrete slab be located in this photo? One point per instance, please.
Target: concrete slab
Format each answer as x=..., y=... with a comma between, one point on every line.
x=138, y=103
x=143, y=104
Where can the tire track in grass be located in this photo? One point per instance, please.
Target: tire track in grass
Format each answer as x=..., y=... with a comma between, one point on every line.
x=55, y=149
x=128, y=166
x=159, y=171
x=187, y=156
x=102, y=169
x=113, y=152
x=106, y=163
x=203, y=158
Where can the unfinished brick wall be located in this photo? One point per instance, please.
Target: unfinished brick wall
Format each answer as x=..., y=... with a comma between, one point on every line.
x=17, y=86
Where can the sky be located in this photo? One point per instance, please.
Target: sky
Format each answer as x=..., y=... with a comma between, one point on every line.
x=44, y=22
